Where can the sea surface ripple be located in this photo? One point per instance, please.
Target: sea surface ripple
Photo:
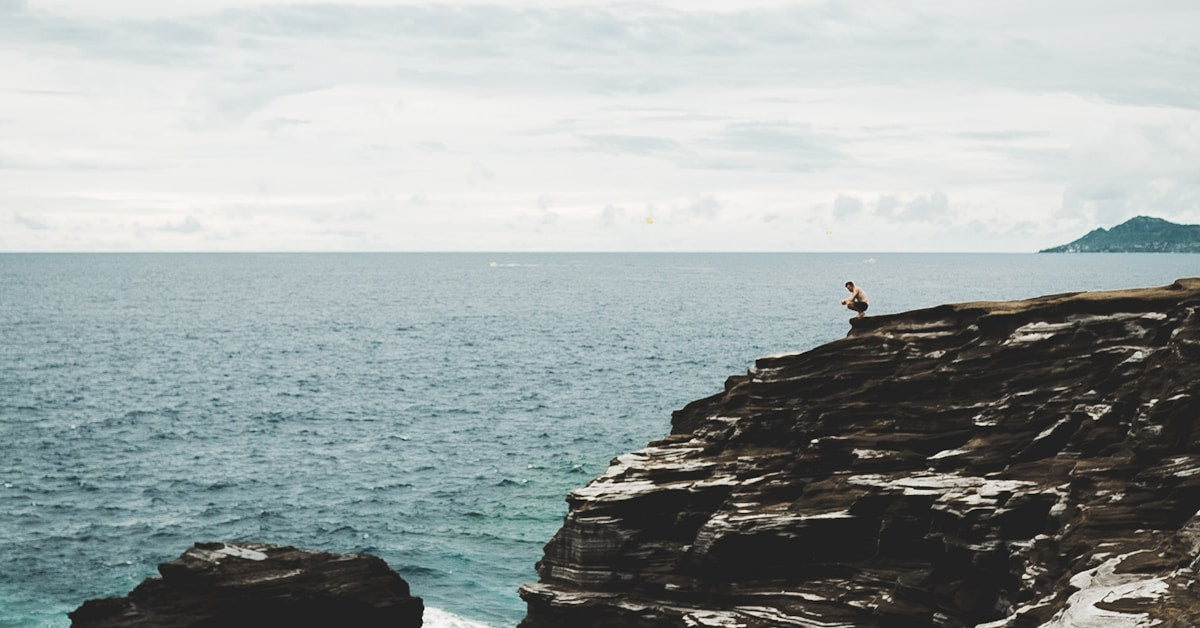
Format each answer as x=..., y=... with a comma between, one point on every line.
x=431, y=409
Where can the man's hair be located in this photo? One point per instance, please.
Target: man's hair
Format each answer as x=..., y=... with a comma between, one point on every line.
x=849, y=283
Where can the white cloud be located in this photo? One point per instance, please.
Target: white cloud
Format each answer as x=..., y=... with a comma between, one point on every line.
x=845, y=206
x=188, y=225
x=930, y=208
x=29, y=223
x=756, y=126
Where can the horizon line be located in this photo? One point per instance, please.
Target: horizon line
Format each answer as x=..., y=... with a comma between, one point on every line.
x=505, y=252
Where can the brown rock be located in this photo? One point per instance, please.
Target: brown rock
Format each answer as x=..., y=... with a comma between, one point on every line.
x=991, y=463
x=253, y=584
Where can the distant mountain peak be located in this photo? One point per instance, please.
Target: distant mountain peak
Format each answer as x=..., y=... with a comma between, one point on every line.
x=1140, y=234
x=1142, y=223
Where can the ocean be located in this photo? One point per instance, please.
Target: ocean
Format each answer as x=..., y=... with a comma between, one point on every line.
x=430, y=409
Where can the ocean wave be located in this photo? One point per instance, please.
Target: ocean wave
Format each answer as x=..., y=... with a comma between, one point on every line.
x=511, y=265
x=438, y=618
x=410, y=571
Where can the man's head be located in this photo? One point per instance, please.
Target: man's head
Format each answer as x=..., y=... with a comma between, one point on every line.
x=850, y=286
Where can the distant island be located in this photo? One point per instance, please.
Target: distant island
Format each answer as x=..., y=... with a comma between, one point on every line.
x=1141, y=234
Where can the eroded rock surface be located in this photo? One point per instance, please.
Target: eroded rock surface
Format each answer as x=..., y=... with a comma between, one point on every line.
x=253, y=584
x=995, y=463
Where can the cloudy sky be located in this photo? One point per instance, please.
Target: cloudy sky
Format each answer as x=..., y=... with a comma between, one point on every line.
x=865, y=125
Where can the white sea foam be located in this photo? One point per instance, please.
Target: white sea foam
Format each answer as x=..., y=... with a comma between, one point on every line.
x=438, y=618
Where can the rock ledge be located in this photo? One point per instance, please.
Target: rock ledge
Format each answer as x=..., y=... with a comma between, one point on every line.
x=997, y=464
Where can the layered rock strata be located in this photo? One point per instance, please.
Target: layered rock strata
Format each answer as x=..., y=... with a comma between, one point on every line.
x=998, y=464
x=253, y=584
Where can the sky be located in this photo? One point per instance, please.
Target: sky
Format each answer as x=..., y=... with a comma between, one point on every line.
x=866, y=125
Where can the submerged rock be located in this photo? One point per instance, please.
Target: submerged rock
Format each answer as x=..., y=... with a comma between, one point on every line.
x=253, y=584
x=994, y=463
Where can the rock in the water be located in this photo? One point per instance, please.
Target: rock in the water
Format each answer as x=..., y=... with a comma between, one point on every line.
x=253, y=584
x=995, y=463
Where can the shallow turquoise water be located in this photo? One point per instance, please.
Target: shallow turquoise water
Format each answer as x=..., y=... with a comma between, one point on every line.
x=432, y=409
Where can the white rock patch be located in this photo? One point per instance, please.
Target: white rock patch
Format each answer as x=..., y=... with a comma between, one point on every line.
x=1101, y=584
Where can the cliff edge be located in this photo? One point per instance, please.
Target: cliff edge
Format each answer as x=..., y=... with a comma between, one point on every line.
x=999, y=464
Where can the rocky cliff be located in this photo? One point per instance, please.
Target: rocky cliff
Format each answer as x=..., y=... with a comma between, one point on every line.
x=995, y=463
x=253, y=585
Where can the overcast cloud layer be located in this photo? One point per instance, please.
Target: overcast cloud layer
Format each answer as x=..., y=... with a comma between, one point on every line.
x=812, y=126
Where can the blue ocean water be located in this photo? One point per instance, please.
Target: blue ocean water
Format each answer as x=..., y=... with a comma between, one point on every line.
x=431, y=409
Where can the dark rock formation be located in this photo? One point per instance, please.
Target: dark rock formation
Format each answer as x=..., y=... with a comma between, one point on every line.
x=994, y=463
x=252, y=584
x=1141, y=234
